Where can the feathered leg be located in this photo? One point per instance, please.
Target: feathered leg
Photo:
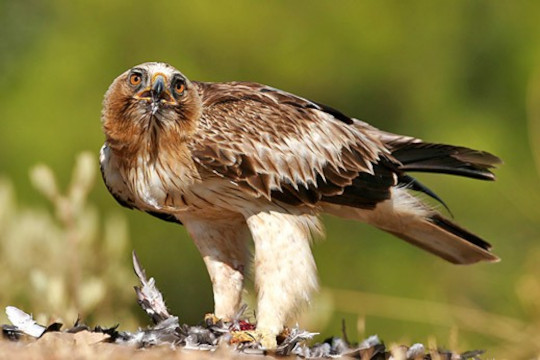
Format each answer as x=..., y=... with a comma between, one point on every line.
x=285, y=272
x=223, y=245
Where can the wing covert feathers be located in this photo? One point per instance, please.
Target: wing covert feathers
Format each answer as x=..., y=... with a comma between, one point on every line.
x=287, y=148
x=299, y=152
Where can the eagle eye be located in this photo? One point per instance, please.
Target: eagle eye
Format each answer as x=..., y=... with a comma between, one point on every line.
x=179, y=87
x=135, y=79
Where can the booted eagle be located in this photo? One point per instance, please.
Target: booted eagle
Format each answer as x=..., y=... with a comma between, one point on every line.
x=238, y=162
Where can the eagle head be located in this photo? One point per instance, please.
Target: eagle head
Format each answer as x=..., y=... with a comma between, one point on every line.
x=147, y=105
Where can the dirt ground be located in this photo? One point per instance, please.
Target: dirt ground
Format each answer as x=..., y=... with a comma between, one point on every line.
x=87, y=345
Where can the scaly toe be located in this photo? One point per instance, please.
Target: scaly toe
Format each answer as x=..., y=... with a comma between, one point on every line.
x=211, y=319
x=243, y=336
x=265, y=338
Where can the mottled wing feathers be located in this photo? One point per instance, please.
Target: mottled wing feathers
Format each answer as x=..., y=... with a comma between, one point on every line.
x=288, y=148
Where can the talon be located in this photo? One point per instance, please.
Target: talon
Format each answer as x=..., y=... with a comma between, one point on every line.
x=211, y=319
x=243, y=336
x=265, y=338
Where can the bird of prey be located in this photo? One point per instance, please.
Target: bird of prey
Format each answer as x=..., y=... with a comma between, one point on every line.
x=236, y=161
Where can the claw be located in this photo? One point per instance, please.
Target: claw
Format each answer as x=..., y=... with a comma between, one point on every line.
x=211, y=319
x=265, y=338
x=243, y=336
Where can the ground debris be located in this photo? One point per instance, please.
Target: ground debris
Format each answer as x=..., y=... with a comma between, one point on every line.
x=24, y=322
x=212, y=335
x=148, y=296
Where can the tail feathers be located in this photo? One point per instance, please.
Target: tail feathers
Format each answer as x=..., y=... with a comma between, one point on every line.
x=445, y=239
x=408, y=218
x=416, y=155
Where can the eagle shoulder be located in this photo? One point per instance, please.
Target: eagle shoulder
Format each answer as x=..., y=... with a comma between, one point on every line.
x=113, y=179
x=117, y=187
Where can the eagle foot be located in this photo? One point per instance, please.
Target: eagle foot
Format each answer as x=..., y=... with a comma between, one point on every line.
x=211, y=319
x=266, y=339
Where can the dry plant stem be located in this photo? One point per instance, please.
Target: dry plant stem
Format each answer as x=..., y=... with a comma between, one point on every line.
x=504, y=328
x=66, y=215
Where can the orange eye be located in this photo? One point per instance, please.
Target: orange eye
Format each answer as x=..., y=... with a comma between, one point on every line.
x=135, y=79
x=179, y=87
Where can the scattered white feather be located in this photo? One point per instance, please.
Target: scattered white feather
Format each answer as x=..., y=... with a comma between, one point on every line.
x=416, y=351
x=148, y=296
x=370, y=342
x=24, y=322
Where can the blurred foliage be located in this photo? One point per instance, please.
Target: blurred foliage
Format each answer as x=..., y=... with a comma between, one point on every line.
x=65, y=262
x=462, y=72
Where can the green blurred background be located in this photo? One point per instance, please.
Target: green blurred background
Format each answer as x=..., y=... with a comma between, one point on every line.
x=459, y=72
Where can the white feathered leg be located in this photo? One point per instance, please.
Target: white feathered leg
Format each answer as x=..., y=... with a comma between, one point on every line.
x=223, y=245
x=285, y=272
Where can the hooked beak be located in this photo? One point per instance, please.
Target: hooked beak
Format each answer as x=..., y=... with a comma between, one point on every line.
x=157, y=93
x=158, y=87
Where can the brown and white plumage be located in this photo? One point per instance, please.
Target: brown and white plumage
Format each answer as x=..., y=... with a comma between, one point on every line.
x=238, y=160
